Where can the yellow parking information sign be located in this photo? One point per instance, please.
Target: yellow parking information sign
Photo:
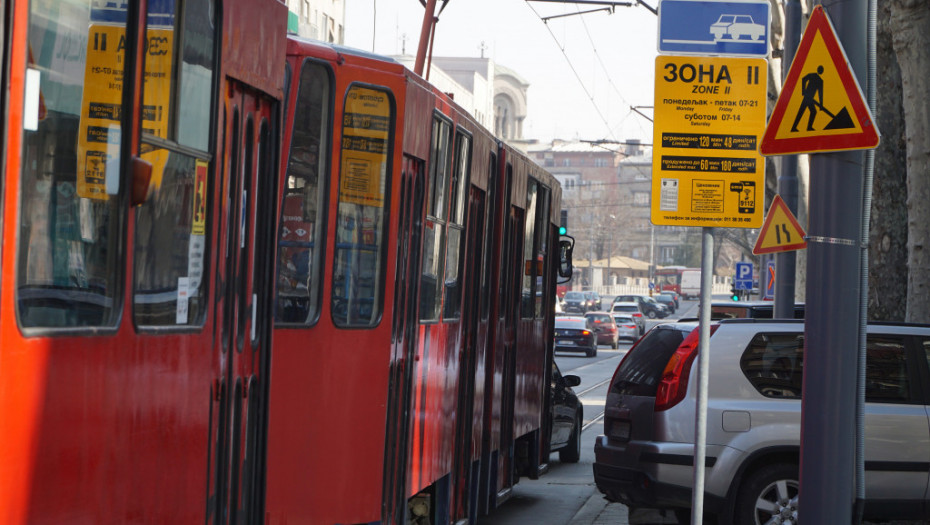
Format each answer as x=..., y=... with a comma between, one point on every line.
x=709, y=116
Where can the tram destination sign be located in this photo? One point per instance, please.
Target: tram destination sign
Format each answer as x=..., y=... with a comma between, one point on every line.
x=709, y=117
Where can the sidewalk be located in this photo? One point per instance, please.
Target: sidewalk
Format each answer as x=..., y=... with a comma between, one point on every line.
x=598, y=511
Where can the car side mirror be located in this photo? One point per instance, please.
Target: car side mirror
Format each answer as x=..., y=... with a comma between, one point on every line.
x=566, y=246
x=571, y=380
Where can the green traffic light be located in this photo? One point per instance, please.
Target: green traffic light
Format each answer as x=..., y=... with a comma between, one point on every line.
x=563, y=230
x=735, y=297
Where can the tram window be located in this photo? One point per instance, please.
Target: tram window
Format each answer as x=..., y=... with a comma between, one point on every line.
x=528, y=300
x=69, y=253
x=171, y=226
x=489, y=237
x=452, y=303
x=170, y=247
x=179, y=111
x=361, y=227
x=435, y=226
x=542, y=245
x=300, y=267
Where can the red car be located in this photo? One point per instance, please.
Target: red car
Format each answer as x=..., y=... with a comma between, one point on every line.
x=604, y=327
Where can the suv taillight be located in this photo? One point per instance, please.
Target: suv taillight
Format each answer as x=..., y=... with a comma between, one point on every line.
x=674, y=383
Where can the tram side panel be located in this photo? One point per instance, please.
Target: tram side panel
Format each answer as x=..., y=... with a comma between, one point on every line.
x=107, y=371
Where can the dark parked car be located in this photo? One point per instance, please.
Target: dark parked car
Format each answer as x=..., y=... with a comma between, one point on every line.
x=604, y=327
x=574, y=302
x=567, y=413
x=667, y=301
x=575, y=334
x=645, y=457
x=748, y=309
x=648, y=305
x=674, y=295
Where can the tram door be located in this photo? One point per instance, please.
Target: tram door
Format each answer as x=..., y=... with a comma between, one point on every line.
x=403, y=338
x=243, y=292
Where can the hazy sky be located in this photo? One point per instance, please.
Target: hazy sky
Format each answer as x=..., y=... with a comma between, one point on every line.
x=585, y=71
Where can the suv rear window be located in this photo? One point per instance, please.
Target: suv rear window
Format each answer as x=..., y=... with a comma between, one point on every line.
x=641, y=370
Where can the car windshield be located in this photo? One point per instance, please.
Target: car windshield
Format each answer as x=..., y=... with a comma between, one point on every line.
x=725, y=19
x=574, y=296
x=624, y=308
x=600, y=318
x=623, y=319
x=649, y=300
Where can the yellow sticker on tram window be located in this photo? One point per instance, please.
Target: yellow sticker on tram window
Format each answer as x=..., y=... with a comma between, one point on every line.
x=99, y=133
x=366, y=128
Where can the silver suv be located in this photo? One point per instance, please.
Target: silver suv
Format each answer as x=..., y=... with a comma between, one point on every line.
x=754, y=421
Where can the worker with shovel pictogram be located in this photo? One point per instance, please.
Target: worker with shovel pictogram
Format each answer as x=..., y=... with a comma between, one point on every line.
x=812, y=93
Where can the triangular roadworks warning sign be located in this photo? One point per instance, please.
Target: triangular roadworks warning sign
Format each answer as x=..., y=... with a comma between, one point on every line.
x=780, y=232
x=821, y=107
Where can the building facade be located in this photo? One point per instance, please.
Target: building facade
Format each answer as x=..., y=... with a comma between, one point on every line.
x=318, y=19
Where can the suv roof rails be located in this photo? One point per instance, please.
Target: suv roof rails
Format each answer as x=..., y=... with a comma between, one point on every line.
x=729, y=320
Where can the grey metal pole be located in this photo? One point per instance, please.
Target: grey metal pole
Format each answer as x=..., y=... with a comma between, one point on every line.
x=700, y=420
x=786, y=262
x=832, y=313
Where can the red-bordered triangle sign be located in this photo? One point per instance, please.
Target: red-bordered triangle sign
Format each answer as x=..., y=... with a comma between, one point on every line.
x=780, y=232
x=821, y=107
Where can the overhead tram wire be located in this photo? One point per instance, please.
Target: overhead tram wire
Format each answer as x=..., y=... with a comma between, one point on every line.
x=574, y=71
x=569, y=61
x=606, y=72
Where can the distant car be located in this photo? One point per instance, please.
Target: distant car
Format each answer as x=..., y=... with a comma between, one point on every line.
x=735, y=27
x=626, y=327
x=594, y=300
x=648, y=305
x=575, y=302
x=604, y=327
x=567, y=414
x=674, y=295
x=667, y=301
x=634, y=311
x=575, y=334
x=748, y=309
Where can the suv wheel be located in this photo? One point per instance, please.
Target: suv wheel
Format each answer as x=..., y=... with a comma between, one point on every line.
x=651, y=314
x=769, y=495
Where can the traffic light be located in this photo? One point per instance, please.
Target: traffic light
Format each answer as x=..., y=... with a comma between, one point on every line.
x=563, y=222
x=734, y=294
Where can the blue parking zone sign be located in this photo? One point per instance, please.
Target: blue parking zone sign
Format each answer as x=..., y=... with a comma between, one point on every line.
x=714, y=28
x=743, y=278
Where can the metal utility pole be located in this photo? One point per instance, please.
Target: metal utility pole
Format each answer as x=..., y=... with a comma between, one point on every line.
x=786, y=262
x=832, y=312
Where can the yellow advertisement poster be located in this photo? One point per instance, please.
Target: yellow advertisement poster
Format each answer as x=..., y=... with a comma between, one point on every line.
x=101, y=106
x=366, y=127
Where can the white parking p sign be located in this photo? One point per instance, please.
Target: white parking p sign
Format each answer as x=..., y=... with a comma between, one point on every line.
x=743, y=278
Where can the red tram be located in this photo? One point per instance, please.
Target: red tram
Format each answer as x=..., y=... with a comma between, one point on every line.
x=248, y=278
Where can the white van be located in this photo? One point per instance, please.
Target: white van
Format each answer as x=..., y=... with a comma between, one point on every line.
x=691, y=284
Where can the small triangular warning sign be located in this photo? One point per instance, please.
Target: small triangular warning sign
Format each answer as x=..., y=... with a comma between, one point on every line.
x=821, y=107
x=780, y=232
